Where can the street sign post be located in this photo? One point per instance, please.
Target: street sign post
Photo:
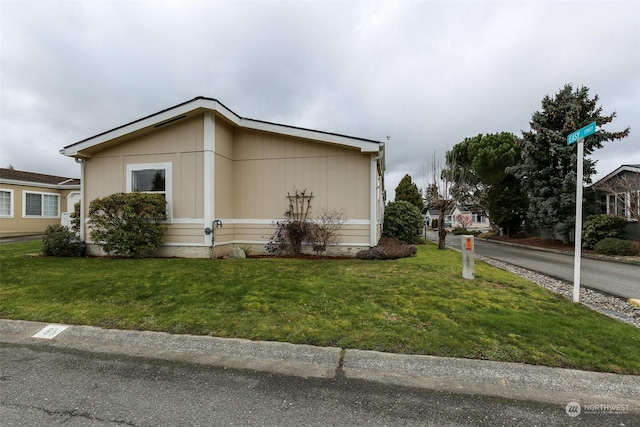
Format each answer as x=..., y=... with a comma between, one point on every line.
x=578, y=137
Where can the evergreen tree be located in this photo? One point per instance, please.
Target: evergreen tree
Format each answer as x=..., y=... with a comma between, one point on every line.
x=548, y=167
x=408, y=191
x=485, y=159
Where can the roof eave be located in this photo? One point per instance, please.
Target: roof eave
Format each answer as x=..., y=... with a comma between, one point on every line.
x=209, y=104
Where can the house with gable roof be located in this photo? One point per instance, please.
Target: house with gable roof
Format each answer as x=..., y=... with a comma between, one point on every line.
x=30, y=202
x=226, y=178
x=618, y=193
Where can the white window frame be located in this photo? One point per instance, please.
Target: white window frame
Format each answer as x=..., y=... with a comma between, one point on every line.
x=40, y=193
x=11, y=202
x=618, y=204
x=168, y=181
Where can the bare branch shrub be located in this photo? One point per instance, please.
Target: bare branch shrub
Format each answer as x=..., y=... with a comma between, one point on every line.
x=325, y=230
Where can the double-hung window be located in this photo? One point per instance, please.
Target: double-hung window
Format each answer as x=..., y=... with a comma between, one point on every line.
x=151, y=178
x=44, y=205
x=6, y=203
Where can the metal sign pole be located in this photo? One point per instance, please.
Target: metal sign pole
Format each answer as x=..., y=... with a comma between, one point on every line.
x=578, y=232
x=579, y=136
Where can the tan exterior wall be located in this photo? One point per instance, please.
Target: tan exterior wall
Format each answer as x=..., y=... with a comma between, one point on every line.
x=268, y=167
x=18, y=224
x=181, y=145
x=253, y=173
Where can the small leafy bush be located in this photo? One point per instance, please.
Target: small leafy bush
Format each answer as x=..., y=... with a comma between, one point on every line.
x=402, y=221
x=388, y=248
x=460, y=231
x=598, y=227
x=59, y=241
x=613, y=246
x=128, y=224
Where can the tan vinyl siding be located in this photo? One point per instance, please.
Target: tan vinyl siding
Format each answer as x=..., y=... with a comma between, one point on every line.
x=19, y=225
x=253, y=173
x=268, y=167
x=225, y=187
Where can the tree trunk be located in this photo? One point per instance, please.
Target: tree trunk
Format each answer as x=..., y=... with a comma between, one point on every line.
x=442, y=233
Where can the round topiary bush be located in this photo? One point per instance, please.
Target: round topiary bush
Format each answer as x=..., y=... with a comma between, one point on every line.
x=613, y=246
x=128, y=224
x=402, y=221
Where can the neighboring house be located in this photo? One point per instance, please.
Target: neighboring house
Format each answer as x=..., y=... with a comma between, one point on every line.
x=618, y=193
x=459, y=217
x=467, y=217
x=29, y=202
x=431, y=218
x=218, y=166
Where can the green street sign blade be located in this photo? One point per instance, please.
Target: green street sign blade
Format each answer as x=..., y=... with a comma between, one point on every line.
x=589, y=129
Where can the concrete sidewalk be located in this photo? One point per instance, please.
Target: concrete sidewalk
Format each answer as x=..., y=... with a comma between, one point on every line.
x=464, y=376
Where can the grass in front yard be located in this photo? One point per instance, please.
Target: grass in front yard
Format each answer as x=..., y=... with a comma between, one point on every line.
x=416, y=305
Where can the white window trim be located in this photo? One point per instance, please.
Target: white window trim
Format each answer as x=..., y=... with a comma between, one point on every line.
x=24, y=204
x=11, y=203
x=167, y=166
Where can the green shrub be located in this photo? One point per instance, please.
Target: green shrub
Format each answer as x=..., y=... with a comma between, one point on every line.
x=402, y=221
x=59, y=241
x=613, y=246
x=128, y=224
x=598, y=227
x=461, y=231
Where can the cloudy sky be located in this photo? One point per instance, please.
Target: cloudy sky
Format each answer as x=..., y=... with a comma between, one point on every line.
x=426, y=74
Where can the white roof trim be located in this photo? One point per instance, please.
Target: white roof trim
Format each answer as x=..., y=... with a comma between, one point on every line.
x=366, y=146
x=64, y=185
x=623, y=168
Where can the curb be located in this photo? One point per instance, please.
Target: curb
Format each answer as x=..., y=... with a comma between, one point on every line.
x=461, y=376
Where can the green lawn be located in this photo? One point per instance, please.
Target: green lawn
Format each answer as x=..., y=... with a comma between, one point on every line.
x=416, y=305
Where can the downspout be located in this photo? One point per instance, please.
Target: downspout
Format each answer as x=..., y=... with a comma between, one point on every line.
x=373, y=188
x=81, y=163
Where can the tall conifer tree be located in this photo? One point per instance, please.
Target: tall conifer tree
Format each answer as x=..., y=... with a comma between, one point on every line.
x=548, y=167
x=408, y=191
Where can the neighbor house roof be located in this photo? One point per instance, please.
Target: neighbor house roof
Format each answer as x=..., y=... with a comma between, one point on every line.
x=12, y=176
x=623, y=168
x=198, y=106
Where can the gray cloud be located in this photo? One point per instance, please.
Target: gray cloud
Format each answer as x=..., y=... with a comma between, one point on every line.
x=428, y=74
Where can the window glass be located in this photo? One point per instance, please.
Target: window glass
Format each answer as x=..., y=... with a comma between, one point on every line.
x=5, y=203
x=40, y=204
x=49, y=205
x=148, y=180
x=33, y=204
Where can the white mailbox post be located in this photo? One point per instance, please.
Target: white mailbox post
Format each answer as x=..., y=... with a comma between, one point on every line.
x=468, y=254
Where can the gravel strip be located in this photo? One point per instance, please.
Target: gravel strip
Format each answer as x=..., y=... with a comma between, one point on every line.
x=616, y=308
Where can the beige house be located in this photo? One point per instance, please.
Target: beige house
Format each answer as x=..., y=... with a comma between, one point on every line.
x=218, y=166
x=29, y=202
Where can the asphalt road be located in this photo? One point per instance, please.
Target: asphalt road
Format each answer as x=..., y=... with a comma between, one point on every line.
x=51, y=386
x=615, y=278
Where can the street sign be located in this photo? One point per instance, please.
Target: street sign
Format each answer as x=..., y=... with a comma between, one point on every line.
x=578, y=136
x=589, y=129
